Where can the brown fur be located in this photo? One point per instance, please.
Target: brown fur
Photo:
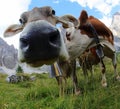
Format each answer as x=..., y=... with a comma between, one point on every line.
x=101, y=29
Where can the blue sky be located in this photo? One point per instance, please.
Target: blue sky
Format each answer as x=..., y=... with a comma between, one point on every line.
x=68, y=7
x=61, y=8
x=101, y=9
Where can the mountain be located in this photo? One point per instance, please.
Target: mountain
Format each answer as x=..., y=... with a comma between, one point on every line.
x=115, y=27
x=8, y=55
x=117, y=43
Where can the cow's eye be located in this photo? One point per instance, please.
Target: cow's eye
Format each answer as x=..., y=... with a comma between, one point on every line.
x=53, y=12
x=22, y=21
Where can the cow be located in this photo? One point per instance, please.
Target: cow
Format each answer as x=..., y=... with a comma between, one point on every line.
x=41, y=42
x=90, y=54
x=49, y=44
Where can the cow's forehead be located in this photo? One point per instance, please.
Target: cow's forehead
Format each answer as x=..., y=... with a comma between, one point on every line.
x=42, y=10
x=38, y=13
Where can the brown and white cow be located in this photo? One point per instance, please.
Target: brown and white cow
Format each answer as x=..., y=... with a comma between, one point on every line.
x=106, y=41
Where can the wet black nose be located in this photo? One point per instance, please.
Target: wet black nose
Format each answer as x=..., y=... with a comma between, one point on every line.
x=40, y=41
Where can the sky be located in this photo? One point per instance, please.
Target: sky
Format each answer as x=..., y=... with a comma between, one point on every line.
x=10, y=11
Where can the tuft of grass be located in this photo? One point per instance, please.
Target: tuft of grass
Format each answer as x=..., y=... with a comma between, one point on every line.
x=26, y=84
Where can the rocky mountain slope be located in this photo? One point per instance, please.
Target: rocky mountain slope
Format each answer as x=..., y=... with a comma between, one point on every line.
x=8, y=55
x=115, y=27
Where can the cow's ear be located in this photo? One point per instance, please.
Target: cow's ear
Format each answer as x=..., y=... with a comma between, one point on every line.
x=83, y=17
x=70, y=18
x=13, y=30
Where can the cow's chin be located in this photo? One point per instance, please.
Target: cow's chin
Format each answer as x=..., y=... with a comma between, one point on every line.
x=39, y=63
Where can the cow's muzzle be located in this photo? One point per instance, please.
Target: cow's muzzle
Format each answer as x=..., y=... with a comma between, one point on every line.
x=39, y=43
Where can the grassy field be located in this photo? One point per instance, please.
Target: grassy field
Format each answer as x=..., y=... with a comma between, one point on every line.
x=43, y=93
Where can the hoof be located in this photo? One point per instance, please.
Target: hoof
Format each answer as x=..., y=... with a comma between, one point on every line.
x=78, y=92
x=104, y=84
x=118, y=78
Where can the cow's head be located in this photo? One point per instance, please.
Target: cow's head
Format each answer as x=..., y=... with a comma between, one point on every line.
x=40, y=41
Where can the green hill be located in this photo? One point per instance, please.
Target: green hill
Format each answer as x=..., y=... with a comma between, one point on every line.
x=43, y=93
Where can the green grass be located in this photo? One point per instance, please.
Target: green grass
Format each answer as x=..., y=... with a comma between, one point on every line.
x=43, y=93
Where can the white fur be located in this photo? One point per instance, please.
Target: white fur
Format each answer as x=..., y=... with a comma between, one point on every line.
x=63, y=50
x=78, y=42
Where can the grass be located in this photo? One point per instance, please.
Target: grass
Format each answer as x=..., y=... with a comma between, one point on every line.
x=43, y=93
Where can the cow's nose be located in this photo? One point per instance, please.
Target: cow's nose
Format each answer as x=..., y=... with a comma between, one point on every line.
x=40, y=41
x=48, y=39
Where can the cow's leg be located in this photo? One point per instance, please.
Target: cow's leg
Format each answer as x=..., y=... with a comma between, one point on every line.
x=90, y=68
x=62, y=84
x=104, y=81
x=82, y=63
x=85, y=68
x=114, y=62
x=74, y=78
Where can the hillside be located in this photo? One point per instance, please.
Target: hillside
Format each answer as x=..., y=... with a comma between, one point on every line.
x=43, y=93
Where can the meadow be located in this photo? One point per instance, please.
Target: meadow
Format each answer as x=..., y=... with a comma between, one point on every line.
x=43, y=93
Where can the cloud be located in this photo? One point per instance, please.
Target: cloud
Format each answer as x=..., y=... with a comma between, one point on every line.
x=10, y=11
x=56, y=1
x=103, y=6
x=107, y=20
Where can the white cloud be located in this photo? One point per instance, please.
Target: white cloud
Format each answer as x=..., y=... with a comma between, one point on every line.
x=106, y=20
x=103, y=6
x=56, y=1
x=10, y=11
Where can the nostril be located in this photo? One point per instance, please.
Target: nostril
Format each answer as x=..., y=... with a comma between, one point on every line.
x=23, y=42
x=54, y=38
x=24, y=45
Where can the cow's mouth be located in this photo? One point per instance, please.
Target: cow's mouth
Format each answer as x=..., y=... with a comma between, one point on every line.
x=40, y=63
